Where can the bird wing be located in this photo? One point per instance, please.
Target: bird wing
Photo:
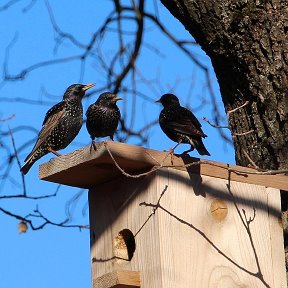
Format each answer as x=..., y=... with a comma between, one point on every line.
x=90, y=109
x=187, y=123
x=54, y=110
x=52, y=118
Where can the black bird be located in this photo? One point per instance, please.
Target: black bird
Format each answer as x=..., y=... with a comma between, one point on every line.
x=61, y=125
x=103, y=117
x=180, y=124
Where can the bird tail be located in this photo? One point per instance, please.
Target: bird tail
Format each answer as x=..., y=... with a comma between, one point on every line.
x=31, y=159
x=201, y=148
x=26, y=167
x=198, y=144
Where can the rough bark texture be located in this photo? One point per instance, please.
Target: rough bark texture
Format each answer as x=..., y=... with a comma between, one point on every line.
x=247, y=42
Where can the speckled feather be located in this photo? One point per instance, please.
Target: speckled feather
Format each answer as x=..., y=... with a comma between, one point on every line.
x=180, y=124
x=61, y=125
x=103, y=116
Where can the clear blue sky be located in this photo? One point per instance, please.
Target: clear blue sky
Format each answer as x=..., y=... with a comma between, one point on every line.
x=59, y=257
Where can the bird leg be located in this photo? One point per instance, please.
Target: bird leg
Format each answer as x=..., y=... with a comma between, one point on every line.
x=173, y=149
x=54, y=152
x=191, y=148
x=93, y=144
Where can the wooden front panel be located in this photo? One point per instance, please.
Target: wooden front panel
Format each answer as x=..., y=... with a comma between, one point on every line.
x=205, y=232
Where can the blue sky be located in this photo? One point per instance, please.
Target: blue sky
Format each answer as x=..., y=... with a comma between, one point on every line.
x=54, y=257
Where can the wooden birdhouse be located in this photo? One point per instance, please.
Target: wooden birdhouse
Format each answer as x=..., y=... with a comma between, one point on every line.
x=160, y=220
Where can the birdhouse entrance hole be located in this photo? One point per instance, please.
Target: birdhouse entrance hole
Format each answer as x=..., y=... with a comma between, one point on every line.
x=124, y=245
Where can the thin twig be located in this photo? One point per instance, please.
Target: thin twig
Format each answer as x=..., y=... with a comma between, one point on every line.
x=46, y=221
x=123, y=171
x=250, y=160
x=153, y=210
x=243, y=133
x=18, y=161
x=196, y=163
x=234, y=134
x=237, y=108
x=8, y=118
x=214, y=125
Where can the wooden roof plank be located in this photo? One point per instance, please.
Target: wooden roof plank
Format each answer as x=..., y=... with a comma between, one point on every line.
x=85, y=168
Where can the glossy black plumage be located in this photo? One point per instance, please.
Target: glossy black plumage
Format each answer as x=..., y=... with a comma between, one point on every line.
x=103, y=116
x=180, y=124
x=61, y=125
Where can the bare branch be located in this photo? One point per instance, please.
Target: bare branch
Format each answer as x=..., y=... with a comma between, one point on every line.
x=7, y=118
x=8, y=5
x=46, y=221
x=237, y=108
x=120, y=71
x=214, y=125
x=18, y=161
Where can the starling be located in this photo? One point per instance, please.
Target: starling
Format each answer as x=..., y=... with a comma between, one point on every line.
x=103, y=117
x=61, y=125
x=180, y=124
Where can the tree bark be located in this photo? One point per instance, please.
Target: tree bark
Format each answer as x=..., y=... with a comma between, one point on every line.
x=248, y=46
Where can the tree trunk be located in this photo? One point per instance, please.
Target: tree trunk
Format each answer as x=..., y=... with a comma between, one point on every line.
x=248, y=46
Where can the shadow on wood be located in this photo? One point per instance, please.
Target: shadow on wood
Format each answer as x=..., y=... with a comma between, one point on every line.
x=208, y=227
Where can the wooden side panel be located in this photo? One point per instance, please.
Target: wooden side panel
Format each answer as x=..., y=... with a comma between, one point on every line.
x=183, y=244
x=197, y=248
x=277, y=241
x=115, y=206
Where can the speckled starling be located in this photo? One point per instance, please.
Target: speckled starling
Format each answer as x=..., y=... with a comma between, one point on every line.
x=103, y=117
x=180, y=124
x=61, y=125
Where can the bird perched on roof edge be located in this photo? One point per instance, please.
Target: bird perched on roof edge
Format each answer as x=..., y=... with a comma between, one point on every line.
x=103, y=117
x=180, y=124
x=61, y=125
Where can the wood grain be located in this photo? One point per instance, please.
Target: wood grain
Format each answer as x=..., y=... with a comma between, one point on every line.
x=182, y=244
x=277, y=242
x=84, y=169
x=118, y=279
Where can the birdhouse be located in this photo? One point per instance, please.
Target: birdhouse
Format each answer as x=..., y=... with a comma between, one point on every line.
x=162, y=220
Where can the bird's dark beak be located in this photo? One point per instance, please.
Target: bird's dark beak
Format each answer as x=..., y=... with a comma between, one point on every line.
x=88, y=86
x=157, y=101
x=117, y=99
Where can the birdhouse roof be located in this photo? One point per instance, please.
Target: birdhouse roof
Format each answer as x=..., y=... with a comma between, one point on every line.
x=86, y=169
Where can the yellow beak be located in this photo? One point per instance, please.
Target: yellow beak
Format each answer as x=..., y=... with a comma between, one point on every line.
x=88, y=86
